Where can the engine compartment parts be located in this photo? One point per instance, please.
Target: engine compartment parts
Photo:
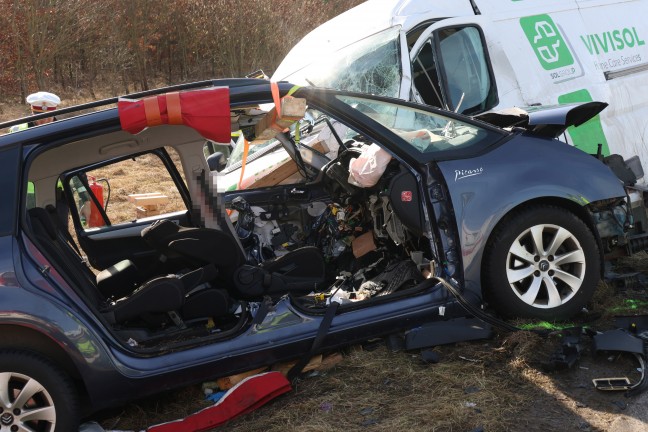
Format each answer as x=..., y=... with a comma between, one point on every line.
x=368, y=251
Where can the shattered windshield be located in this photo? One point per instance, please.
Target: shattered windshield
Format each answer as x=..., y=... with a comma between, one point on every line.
x=425, y=132
x=371, y=65
x=237, y=153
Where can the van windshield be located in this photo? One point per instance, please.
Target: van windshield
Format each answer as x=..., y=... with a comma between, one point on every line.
x=371, y=65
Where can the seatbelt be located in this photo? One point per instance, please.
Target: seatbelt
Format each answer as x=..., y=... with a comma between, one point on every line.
x=63, y=229
x=274, y=89
x=246, y=149
x=324, y=327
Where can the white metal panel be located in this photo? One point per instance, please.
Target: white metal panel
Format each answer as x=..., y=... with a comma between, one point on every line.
x=505, y=9
x=362, y=21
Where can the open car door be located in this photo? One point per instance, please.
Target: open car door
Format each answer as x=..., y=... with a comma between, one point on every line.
x=451, y=67
x=112, y=202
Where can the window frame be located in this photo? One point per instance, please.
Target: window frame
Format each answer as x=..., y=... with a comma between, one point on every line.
x=497, y=135
x=160, y=152
x=438, y=57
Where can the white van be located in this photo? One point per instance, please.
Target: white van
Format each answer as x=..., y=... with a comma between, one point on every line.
x=473, y=56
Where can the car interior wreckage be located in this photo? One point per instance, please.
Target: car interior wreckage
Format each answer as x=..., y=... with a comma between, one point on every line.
x=329, y=234
x=304, y=219
x=320, y=239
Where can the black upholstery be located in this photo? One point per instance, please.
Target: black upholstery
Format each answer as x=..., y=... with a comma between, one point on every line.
x=189, y=293
x=207, y=302
x=42, y=223
x=45, y=233
x=303, y=262
x=201, y=245
x=156, y=296
x=297, y=271
x=159, y=295
x=118, y=280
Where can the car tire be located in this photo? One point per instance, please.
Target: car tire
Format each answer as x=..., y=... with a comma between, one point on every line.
x=541, y=262
x=51, y=398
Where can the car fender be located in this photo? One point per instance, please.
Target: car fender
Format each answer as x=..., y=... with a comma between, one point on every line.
x=34, y=316
x=55, y=335
x=485, y=188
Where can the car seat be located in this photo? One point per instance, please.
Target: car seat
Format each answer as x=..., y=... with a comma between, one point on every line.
x=116, y=281
x=188, y=296
x=299, y=271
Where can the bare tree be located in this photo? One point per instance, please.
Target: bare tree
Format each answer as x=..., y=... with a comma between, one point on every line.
x=113, y=45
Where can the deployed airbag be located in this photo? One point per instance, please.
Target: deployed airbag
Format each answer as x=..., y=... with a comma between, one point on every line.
x=367, y=169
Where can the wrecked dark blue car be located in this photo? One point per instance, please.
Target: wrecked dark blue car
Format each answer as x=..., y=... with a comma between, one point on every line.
x=355, y=216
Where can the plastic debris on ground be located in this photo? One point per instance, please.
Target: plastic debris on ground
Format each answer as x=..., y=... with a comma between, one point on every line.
x=449, y=331
x=248, y=395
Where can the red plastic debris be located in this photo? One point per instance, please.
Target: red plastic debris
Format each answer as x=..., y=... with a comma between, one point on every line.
x=206, y=110
x=246, y=396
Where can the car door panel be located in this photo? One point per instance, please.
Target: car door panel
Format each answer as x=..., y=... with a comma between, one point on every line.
x=112, y=244
x=110, y=230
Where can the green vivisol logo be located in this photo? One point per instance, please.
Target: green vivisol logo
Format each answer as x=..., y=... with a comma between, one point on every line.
x=547, y=42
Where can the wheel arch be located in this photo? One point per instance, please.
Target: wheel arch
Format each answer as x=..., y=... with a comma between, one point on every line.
x=542, y=289
x=23, y=338
x=579, y=210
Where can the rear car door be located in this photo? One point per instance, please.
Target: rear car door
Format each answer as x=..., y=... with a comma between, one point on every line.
x=111, y=203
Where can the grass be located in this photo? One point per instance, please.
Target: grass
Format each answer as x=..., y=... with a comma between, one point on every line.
x=378, y=389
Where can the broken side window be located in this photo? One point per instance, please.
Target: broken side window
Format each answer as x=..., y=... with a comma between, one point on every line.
x=426, y=78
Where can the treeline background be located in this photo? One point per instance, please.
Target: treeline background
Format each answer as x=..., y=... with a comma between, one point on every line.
x=82, y=48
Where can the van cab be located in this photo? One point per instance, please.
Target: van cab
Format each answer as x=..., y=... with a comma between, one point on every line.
x=474, y=56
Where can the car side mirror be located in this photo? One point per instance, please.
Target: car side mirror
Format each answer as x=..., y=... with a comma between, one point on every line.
x=216, y=161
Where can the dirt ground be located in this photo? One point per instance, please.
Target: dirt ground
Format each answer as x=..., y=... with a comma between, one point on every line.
x=501, y=384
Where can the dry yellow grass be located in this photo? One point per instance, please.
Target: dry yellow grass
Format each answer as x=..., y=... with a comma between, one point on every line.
x=380, y=390
x=146, y=174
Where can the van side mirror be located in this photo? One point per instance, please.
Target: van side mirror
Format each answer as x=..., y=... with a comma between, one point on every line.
x=216, y=161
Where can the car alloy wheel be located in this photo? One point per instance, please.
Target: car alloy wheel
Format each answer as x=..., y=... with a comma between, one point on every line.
x=35, y=395
x=26, y=404
x=540, y=262
x=545, y=266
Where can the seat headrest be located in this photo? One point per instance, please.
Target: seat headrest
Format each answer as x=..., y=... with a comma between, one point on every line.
x=41, y=222
x=156, y=234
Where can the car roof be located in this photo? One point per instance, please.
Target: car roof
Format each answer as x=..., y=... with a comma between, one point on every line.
x=108, y=103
